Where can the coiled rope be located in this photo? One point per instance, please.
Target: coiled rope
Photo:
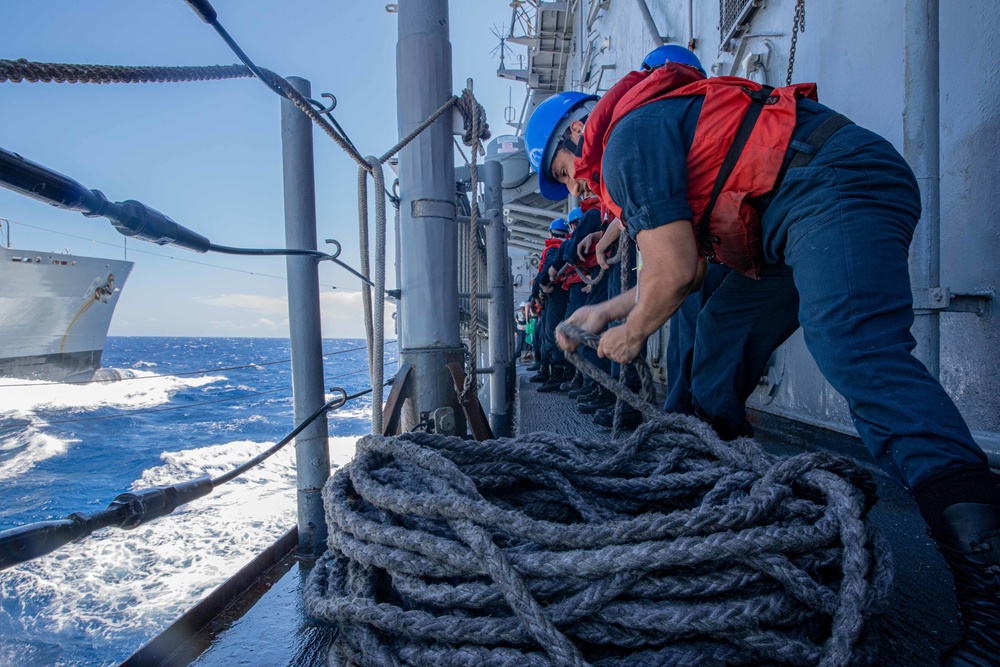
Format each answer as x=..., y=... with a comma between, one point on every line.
x=667, y=548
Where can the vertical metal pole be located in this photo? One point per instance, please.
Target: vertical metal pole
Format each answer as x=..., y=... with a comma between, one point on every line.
x=312, y=456
x=922, y=148
x=428, y=309
x=501, y=308
x=647, y=18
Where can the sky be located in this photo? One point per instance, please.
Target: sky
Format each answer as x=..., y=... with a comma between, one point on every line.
x=208, y=154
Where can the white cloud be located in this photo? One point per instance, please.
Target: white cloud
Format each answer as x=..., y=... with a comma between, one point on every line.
x=341, y=312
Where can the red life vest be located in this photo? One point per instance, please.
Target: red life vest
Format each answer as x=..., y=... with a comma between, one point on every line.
x=735, y=223
x=549, y=244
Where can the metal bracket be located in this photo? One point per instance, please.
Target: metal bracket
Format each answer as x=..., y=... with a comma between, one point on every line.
x=432, y=208
x=393, y=409
x=941, y=299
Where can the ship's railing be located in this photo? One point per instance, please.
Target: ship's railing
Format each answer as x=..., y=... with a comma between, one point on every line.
x=134, y=219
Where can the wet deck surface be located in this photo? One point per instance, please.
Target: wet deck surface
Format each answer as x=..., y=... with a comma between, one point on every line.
x=275, y=631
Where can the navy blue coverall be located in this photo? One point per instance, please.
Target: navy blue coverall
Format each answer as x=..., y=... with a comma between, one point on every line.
x=836, y=237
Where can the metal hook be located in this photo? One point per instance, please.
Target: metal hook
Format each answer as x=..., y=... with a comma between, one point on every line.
x=336, y=254
x=319, y=106
x=341, y=400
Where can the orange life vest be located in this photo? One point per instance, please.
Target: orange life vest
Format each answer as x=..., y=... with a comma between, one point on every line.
x=734, y=228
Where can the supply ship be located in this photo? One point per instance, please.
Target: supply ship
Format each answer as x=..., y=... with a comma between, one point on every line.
x=55, y=311
x=917, y=73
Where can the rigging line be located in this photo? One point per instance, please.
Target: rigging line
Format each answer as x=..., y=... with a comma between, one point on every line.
x=334, y=403
x=184, y=373
x=135, y=508
x=179, y=259
x=229, y=399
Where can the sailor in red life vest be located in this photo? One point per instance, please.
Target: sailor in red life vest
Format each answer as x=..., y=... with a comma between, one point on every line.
x=552, y=363
x=814, y=215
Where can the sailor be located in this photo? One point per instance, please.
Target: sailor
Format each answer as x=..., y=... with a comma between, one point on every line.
x=814, y=215
x=554, y=308
x=520, y=329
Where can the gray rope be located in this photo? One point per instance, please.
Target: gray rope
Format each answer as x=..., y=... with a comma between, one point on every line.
x=471, y=379
x=668, y=547
x=366, y=290
x=20, y=70
x=643, y=403
x=377, y=329
x=600, y=274
x=624, y=243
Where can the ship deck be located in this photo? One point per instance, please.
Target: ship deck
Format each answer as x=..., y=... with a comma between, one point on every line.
x=268, y=626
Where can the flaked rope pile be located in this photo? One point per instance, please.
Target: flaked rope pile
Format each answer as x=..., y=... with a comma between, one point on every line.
x=670, y=547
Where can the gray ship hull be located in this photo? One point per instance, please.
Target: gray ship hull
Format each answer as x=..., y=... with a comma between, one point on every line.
x=54, y=313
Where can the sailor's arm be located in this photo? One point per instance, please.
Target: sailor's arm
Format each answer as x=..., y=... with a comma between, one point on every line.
x=670, y=272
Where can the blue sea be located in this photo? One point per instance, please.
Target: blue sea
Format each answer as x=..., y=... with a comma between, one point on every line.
x=183, y=412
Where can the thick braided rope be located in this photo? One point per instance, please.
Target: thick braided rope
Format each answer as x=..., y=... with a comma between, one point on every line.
x=587, y=280
x=21, y=70
x=643, y=402
x=624, y=249
x=669, y=547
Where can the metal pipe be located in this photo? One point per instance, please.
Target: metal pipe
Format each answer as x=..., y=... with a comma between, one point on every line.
x=312, y=456
x=533, y=210
x=428, y=308
x=922, y=148
x=691, y=42
x=650, y=23
x=501, y=305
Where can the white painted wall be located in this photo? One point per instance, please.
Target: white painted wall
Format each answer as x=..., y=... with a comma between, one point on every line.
x=853, y=49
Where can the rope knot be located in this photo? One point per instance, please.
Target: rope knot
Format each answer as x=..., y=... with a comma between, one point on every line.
x=474, y=117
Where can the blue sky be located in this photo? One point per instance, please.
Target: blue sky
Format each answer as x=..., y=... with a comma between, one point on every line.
x=208, y=154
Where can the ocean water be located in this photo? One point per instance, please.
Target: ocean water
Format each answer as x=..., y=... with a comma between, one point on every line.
x=182, y=413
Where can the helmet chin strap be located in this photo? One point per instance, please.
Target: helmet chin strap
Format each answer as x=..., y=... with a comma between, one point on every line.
x=575, y=147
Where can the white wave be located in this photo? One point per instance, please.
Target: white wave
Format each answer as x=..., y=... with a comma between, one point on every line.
x=22, y=447
x=146, y=390
x=116, y=584
x=21, y=450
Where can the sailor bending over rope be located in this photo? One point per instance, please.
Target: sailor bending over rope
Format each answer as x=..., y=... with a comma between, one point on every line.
x=814, y=215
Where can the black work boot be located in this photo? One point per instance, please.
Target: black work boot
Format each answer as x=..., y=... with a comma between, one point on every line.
x=574, y=382
x=557, y=376
x=631, y=418
x=542, y=375
x=587, y=394
x=962, y=509
x=969, y=539
x=602, y=399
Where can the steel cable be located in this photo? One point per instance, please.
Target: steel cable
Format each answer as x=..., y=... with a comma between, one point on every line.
x=668, y=547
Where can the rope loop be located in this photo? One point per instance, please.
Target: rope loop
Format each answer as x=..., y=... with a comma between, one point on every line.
x=474, y=117
x=668, y=547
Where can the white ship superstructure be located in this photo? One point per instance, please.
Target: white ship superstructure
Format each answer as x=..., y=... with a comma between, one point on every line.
x=55, y=310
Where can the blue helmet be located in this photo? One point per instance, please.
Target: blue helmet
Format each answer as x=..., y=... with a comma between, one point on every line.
x=558, y=227
x=671, y=53
x=541, y=135
x=574, y=215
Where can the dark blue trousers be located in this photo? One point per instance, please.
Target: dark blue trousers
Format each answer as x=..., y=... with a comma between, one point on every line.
x=553, y=313
x=680, y=347
x=846, y=222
